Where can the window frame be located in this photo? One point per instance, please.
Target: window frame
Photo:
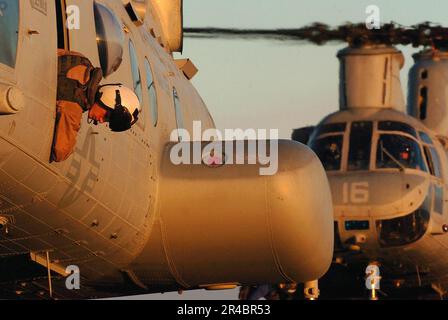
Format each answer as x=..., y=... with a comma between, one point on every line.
x=372, y=137
x=334, y=134
x=417, y=139
x=402, y=134
x=345, y=138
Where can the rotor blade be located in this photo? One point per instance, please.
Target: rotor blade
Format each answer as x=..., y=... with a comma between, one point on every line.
x=424, y=34
x=311, y=34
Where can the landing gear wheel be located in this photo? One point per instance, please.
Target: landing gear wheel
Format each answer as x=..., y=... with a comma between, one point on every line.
x=311, y=290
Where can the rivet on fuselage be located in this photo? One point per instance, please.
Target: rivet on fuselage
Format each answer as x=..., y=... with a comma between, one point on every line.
x=95, y=223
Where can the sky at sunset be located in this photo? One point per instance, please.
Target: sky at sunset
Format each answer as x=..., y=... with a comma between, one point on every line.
x=272, y=84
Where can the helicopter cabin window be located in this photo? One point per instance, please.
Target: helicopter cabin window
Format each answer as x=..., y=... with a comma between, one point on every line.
x=397, y=126
x=329, y=151
x=9, y=26
x=151, y=88
x=400, y=152
x=360, y=144
x=136, y=77
x=438, y=199
x=109, y=38
x=178, y=110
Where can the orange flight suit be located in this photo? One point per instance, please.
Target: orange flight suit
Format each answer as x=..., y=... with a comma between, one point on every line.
x=78, y=82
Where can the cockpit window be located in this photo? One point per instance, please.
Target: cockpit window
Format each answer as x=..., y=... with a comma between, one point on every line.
x=9, y=31
x=425, y=137
x=360, y=142
x=331, y=128
x=397, y=126
x=429, y=160
x=403, y=230
x=329, y=151
x=109, y=37
x=436, y=161
x=396, y=151
x=433, y=161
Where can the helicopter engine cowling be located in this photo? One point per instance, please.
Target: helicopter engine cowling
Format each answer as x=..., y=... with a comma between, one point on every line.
x=370, y=77
x=243, y=228
x=428, y=90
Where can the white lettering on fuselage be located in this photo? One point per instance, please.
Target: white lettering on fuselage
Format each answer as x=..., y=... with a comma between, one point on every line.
x=355, y=192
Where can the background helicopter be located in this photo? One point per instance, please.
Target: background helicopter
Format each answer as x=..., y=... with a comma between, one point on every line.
x=386, y=164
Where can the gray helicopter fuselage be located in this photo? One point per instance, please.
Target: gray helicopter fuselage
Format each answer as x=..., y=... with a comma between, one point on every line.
x=393, y=214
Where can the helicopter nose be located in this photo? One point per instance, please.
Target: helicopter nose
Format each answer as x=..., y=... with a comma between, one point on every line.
x=370, y=206
x=11, y=99
x=378, y=195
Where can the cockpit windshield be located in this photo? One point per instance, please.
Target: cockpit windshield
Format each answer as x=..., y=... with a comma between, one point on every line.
x=331, y=128
x=327, y=143
x=350, y=146
x=397, y=151
x=360, y=144
x=329, y=151
x=397, y=126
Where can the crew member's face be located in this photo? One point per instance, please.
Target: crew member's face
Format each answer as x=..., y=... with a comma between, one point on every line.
x=98, y=113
